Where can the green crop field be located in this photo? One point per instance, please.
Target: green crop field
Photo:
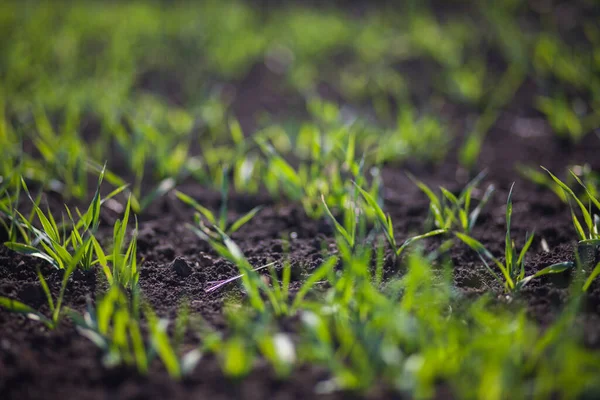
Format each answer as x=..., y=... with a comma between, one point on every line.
x=258, y=199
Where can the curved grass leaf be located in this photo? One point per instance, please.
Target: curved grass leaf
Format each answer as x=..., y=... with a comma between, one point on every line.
x=349, y=236
x=243, y=220
x=21, y=308
x=408, y=241
x=552, y=269
x=31, y=251
x=474, y=215
x=586, y=215
x=193, y=203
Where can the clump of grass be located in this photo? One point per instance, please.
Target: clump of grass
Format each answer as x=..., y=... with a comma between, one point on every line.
x=407, y=334
x=353, y=230
x=588, y=232
x=54, y=305
x=57, y=245
x=513, y=267
x=123, y=271
x=328, y=164
x=115, y=326
x=454, y=213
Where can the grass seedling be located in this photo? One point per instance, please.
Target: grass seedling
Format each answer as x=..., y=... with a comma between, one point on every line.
x=54, y=306
x=16, y=231
x=115, y=327
x=52, y=243
x=513, y=267
x=124, y=266
x=277, y=294
x=327, y=167
x=384, y=221
x=589, y=231
x=220, y=220
x=348, y=230
x=454, y=213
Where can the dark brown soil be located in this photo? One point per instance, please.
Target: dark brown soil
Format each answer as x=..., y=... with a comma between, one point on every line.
x=39, y=364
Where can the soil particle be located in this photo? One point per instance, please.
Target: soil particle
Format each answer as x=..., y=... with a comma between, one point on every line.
x=181, y=267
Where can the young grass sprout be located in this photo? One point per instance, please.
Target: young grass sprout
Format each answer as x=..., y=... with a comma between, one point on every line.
x=56, y=245
x=55, y=306
x=513, y=267
x=588, y=232
x=454, y=213
x=384, y=221
x=114, y=325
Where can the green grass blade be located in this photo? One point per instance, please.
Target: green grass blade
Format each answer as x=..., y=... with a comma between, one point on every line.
x=63, y=286
x=450, y=196
x=590, y=279
x=428, y=192
x=586, y=215
x=102, y=259
x=193, y=203
x=243, y=220
x=474, y=215
x=21, y=308
x=385, y=222
x=480, y=249
x=408, y=241
x=338, y=227
x=471, y=185
x=31, y=251
x=46, y=290
x=162, y=345
x=521, y=259
x=552, y=269
x=589, y=193
x=508, y=244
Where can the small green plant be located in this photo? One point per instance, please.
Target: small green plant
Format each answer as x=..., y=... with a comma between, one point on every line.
x=220, y=220
x=328, y=165
x=124, y=270
x=114, y=325
x=513, y=267
x=55, y=306
x=588, y=247
x=348, y=231
x=9, y=200
x=454, y=213
x=57, y=245
x=589, y=231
